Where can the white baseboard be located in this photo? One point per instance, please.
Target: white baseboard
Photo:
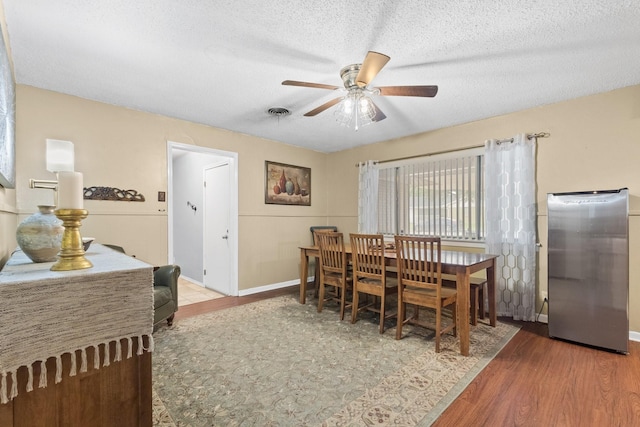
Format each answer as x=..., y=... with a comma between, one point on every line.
x=273, y=286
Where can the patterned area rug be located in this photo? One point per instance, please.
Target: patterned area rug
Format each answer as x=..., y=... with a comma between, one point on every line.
x=279, y=363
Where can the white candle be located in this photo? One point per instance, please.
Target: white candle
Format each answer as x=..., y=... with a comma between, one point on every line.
x=70, y=190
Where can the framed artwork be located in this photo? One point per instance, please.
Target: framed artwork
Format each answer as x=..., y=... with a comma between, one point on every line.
x=287, y=184
x=7, y=120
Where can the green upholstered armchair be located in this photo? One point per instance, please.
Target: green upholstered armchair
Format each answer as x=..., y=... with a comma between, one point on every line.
x=165, y=290
x=165, y=293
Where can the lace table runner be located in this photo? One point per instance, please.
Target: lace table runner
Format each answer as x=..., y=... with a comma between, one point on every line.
x=47, y=313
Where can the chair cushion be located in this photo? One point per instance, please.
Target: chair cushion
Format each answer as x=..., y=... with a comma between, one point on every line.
x=444, y=292
x=161, y=296
x=391, y=282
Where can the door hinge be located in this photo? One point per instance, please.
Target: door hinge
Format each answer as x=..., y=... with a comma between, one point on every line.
x=205, y=184
x=205, y=272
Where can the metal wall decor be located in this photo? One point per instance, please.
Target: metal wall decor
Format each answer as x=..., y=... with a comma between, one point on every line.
x=111, y=193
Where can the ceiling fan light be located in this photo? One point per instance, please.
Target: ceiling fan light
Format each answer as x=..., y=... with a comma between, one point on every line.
x=355, y=110
x=347, y=104
x=366, y=108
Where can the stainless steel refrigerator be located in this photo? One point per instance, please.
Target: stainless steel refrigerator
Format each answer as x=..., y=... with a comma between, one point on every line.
x=589, y=267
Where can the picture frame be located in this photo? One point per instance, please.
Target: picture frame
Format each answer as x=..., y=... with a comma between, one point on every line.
x=7, y=120
x=287, y=184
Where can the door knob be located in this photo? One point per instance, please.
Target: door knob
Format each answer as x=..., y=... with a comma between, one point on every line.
x=225, y=236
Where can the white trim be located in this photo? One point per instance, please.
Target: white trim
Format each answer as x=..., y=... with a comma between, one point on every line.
x=273, y=286
x=543, y=318
x=10, y=209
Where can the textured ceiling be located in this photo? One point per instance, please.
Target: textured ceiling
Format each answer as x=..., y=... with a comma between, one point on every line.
x=221, y=63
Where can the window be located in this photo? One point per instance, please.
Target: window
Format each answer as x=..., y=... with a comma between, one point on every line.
x=437, y=195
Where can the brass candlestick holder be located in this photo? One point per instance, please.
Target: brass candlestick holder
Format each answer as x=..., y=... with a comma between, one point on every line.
x=71, y=256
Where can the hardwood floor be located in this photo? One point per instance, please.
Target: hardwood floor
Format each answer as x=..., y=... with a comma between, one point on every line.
x=538, y=381
x=533, y=381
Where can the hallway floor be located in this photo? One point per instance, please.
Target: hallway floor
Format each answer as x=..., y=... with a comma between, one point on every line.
x=191, y=293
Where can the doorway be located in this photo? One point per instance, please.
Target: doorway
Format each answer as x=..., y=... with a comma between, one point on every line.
x=194, y=242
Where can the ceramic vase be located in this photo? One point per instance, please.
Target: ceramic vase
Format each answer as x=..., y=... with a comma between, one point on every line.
x=296, y=186
x=283, y=182
x=289, y=186
x=40, y=235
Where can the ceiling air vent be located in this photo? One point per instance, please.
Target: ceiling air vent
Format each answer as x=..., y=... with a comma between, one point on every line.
x=278, y=112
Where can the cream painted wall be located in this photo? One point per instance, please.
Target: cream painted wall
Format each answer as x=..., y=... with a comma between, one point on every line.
x=594, y=144
x=127, y=149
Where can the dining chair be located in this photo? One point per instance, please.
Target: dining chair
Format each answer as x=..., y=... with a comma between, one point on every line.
x=321, y=228
x=333, y=270
x=420, y=284
x=476, y=295
x=369, y=275
x=314, y=230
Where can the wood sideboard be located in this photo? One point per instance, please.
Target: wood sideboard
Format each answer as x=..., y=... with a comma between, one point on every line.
x=117, y=393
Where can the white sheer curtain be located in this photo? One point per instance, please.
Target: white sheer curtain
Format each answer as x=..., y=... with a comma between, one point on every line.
x=368, y=198
x=510, y=216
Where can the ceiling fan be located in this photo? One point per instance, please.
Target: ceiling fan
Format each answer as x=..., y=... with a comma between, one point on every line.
x=358, y=108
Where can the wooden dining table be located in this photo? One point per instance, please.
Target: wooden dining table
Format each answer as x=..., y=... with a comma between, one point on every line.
x=459, y=263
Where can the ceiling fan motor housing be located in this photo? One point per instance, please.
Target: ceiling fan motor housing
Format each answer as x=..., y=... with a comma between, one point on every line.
x=349, y=75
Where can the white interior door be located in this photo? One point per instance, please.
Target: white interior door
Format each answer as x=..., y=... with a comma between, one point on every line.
x=217, y=248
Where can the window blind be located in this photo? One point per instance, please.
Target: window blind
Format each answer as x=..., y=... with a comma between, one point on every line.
x=439, y=196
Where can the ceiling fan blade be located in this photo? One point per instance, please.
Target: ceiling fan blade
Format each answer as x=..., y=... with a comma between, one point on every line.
x=307, y=84
x=370, y=68
x=428, y=91
x=323, y=107
x=379, y=114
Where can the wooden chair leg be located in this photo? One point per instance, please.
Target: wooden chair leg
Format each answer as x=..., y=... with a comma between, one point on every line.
x=321, y=297
x=382, y=312
x=438, y=327
x=354, y=306
x=473, y=304
x=400, y=320
x=482, y=313
x=454, y=318
x=316, y=278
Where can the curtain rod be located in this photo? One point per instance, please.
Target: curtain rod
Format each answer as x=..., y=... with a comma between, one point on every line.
x=500, y=141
